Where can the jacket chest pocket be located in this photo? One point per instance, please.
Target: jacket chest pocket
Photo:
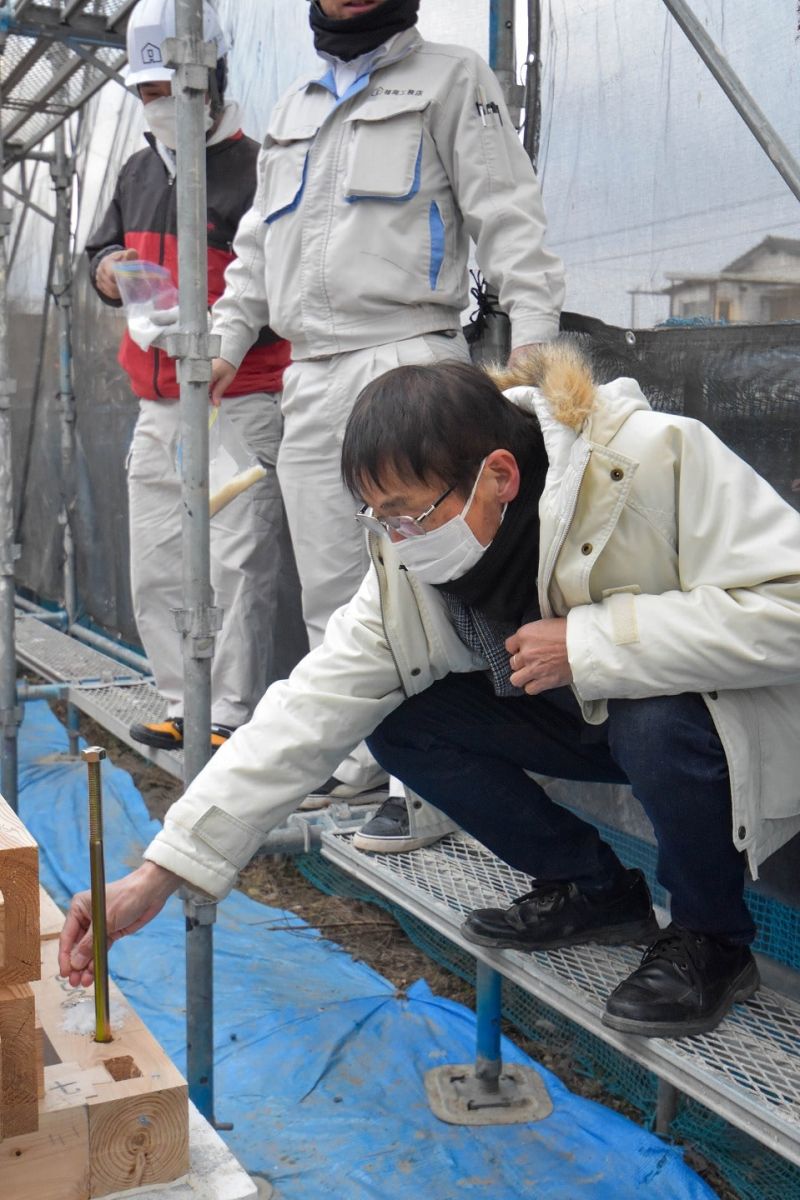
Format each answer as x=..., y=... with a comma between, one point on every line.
x=384, y=158
x=282, y=178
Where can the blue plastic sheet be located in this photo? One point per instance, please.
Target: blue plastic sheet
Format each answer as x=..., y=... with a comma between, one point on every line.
x=319, y=1062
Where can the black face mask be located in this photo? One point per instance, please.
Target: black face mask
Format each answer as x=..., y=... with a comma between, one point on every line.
x=354, y=36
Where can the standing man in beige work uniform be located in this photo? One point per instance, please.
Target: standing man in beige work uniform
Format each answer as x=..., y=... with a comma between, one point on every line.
x=376, y=171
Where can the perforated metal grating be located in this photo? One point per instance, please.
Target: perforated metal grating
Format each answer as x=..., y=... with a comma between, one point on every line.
x=753, y=1171
x=121, y=698
x=748, y=1070
x=55, y=57
x=59, y=657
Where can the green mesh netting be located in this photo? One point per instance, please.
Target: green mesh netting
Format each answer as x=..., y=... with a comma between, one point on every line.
x=752, y=1170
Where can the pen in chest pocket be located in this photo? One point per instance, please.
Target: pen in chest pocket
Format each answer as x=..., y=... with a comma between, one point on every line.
x=486, y=108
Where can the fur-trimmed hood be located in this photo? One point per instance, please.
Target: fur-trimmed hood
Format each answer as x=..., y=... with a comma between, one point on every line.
x=561, y=373
x=555, y=380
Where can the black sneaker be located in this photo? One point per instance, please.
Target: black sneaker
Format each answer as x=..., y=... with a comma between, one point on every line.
x=552, y=915
x=686, y=984
x=334, y=790
x=388, y=831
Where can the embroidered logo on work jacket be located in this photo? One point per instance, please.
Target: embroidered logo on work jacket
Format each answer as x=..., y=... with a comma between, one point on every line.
x=380, y=91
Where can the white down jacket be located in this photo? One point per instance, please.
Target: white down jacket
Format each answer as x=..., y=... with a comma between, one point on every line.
x=677, y=567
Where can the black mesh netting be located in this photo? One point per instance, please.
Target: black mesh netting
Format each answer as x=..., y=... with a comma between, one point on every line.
x=741, y=381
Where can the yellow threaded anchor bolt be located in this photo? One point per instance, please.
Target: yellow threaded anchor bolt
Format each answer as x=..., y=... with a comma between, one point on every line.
x=93, y=756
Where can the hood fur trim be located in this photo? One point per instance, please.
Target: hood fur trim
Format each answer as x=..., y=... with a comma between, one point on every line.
x=561, y=373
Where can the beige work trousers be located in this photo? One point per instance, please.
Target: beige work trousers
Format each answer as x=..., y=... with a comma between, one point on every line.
x=330, y=547
x=253, y=575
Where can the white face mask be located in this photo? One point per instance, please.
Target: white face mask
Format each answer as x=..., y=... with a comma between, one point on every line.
x=445, y=553
x=160, y=116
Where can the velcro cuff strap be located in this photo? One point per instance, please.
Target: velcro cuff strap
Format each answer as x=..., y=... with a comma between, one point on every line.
x=234, y=840
x=624, y=625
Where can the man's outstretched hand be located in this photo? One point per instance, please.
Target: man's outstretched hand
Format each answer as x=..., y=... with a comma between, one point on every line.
x=130, y=903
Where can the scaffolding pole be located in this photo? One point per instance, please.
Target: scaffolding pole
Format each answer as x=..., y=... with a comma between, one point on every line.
x=10, y=713
x=532, y=130
x=61, y=173
x=754, y=118
x=198, y=621
x=502, y=55
x=495, y=344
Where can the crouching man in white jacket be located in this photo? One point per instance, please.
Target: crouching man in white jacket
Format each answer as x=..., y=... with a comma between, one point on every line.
x=657, y=642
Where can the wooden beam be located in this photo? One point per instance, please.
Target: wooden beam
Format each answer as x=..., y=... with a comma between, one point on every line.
x=19, y=1105
x=137, y=1109
x=19, y=884
x=53, y=1163
x=38, y=1037
x=51, y=918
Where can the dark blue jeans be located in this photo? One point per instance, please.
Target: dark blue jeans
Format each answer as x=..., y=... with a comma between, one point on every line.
x=466, y=751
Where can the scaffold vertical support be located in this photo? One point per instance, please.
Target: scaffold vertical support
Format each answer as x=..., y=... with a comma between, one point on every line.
x=532, y=128
x=666, y=1107
x=502, y=54
x=61, y=173
x=199, y=621
x=10, y=712
x=488, y=1006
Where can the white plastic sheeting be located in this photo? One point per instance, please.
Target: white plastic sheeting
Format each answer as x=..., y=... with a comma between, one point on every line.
x=270, y=45
x=646, y=167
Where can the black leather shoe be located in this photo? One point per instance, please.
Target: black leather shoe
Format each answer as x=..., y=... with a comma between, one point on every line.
x=686, y=984
x=551, y=915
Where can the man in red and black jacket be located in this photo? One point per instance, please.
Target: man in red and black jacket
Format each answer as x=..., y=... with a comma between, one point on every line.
x=141, y=223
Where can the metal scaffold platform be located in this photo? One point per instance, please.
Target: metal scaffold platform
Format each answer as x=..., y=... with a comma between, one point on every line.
x=114, y=695
x=747, y=1070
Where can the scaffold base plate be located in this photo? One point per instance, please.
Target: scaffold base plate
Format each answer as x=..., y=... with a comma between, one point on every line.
x=458, y=1096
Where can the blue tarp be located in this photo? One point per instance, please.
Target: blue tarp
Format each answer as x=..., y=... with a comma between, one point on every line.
x=320, y=1063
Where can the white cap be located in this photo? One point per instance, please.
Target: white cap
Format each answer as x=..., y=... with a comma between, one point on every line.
x=150, y=24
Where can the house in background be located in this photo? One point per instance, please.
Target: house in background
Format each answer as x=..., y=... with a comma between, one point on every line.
x=761, y=286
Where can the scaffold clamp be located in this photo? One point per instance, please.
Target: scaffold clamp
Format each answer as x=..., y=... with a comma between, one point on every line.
x=11, y=718
x=8, y=388
x=192, y=59
x=197, y=909
x=199, y=626
x=193, y=352
x=7, y=568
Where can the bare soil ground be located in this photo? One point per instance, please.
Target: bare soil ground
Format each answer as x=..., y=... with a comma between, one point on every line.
x=368, y=933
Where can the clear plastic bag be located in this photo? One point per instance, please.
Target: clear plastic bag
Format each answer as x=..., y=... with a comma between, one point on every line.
x=144, y=285
x=149, y=297
x=232, y=467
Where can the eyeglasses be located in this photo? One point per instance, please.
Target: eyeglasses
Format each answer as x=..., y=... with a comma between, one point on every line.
x=405, y=526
